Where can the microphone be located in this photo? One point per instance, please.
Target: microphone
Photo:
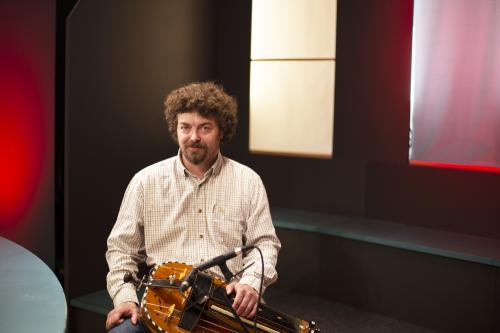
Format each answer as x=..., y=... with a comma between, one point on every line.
x=217, y=261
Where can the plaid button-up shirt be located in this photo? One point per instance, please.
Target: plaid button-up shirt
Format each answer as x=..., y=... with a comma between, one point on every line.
x=167, y=214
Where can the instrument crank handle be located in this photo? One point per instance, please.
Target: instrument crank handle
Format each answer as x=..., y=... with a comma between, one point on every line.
x=130, y=278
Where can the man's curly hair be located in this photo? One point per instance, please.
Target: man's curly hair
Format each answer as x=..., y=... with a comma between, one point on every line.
x=206, y=98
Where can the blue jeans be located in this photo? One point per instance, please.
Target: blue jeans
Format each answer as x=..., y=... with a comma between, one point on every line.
x=128, y=327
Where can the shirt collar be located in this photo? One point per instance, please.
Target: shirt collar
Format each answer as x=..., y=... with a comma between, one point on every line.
x=217, y=164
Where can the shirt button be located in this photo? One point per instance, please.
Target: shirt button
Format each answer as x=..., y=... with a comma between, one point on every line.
x=202, y=260
x=201, y=236
x=199, y=210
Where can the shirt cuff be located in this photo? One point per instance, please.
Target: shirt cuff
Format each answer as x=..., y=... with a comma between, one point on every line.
x=126, y=294
x=253, y=282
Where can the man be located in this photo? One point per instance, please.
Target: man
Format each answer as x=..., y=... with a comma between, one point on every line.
x=192, y=207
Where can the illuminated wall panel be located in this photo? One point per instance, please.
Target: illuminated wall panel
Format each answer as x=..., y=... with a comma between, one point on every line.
x=283, y=29
x=292, y=114
x=455, y=104
x=292, y=77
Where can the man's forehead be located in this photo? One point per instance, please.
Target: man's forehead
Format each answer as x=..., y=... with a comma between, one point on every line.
x=195, y=116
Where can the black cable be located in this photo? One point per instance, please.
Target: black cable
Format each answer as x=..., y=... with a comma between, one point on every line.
x=260, y=286
x=260, y=290
x=233, y=311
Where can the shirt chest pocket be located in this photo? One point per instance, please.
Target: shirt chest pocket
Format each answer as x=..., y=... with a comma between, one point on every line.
x=228, y=225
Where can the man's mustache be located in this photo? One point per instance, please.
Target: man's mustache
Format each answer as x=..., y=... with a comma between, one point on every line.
x=196, y=145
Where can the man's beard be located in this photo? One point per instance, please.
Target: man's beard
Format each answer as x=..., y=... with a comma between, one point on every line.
x=196, y=157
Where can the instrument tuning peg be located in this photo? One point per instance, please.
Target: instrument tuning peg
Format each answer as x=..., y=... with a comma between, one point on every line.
x=312, y=327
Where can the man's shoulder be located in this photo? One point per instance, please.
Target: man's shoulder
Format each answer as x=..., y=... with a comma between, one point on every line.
x=161, y=168
x=230, y=165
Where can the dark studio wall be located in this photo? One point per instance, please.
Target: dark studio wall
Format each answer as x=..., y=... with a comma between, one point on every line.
x=123, y=57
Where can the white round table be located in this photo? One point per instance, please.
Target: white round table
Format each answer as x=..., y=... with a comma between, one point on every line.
x=32, y=299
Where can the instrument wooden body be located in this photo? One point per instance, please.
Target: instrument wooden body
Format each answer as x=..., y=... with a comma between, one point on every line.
x=164, y=309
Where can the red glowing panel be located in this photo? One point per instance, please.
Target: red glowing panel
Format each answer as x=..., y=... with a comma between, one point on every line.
x=455, y=104
x=22, y=139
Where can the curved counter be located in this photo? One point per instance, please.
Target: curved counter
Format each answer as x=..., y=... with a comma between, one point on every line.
x=32, y=297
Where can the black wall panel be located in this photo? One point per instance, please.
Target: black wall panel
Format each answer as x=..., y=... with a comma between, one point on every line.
x=122, y=59
x=455, y=200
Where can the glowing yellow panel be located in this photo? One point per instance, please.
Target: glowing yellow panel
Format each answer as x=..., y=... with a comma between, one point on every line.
x=293, y=29
x=291, y=107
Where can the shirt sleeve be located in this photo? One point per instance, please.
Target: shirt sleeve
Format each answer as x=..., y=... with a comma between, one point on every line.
x=260, y=232
x=126, y=244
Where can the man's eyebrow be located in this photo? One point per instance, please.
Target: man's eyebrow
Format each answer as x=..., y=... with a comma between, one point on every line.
x=210, y=123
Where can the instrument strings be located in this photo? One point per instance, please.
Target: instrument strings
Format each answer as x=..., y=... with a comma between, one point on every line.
x=176, y=314
x=202, y=320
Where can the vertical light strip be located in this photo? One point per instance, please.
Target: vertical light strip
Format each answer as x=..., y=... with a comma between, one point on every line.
x=292, y=77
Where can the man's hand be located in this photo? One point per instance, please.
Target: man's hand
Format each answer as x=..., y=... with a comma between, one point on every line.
x=245, y=302
x=122, y=311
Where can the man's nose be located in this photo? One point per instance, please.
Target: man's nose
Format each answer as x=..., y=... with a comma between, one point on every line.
x=194, y=136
